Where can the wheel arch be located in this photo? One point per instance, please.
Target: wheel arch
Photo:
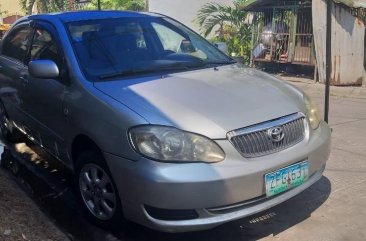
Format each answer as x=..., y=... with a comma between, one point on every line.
x=83, y=143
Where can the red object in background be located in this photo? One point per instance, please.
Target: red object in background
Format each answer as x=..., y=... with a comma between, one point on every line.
x=11, y=19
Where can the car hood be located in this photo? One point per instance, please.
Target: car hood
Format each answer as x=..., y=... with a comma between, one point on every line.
x=210, y=102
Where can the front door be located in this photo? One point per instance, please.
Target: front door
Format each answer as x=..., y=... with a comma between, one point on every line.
x=43, y=98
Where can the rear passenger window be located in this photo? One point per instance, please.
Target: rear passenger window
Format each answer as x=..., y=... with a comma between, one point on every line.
x=16, y=44
x=44, y=47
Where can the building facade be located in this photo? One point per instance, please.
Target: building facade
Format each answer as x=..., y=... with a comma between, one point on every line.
x=10, y=8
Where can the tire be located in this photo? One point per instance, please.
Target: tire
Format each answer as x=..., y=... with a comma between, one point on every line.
x=97, y=191
x=8, y=133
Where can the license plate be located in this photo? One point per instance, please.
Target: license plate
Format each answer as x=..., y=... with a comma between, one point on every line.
x=286, y=178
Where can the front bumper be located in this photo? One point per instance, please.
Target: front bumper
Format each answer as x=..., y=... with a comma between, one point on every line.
x=218, y=192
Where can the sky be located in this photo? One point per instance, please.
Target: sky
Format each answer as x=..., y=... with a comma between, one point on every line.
x=184, y=11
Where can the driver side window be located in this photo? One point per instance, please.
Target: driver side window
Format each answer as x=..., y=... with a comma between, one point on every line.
x=176, y=42
x=169, y=39
x=16, y=44
x=44, y=47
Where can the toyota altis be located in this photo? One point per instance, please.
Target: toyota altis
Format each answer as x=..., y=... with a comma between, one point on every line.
x=158, y=125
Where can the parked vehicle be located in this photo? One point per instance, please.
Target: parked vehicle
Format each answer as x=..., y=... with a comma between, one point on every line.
x=157, y=124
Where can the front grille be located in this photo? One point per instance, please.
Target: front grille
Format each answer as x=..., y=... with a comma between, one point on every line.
x=257, y=141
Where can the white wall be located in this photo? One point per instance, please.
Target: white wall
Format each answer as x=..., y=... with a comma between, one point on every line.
x=184, y=11
x=12, y=6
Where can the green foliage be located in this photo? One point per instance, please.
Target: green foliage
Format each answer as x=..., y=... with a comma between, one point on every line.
x=134, y=5
x=227, y=24
x=45, y=6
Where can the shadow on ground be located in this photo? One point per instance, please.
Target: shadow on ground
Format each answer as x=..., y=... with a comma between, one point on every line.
x=50, y=186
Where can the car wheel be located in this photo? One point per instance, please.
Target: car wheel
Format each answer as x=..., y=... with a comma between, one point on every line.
x=96, y=190
x=7, y=131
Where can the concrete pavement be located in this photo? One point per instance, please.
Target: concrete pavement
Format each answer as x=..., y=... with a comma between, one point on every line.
x=342, y=215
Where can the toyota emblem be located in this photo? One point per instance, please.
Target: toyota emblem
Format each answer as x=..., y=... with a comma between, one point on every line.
x=276, y=134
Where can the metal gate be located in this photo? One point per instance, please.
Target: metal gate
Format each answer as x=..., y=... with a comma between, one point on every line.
x=283, y=35
x=80, y=4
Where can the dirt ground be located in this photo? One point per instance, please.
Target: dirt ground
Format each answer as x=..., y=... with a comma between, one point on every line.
x=20, y=218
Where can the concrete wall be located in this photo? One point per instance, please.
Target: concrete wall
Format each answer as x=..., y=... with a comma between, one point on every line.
x=184, y=11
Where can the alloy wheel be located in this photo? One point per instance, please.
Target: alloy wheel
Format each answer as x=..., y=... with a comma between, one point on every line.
x=97, y=191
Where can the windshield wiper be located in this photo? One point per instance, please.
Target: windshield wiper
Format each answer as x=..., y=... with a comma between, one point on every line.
x=126, y=73
x=221, y=62
x=153, y=69
x=181, y=65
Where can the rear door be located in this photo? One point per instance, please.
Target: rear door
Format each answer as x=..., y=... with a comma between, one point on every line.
x=14, y=49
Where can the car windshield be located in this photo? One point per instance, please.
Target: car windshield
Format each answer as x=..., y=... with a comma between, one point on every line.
x=111, y=48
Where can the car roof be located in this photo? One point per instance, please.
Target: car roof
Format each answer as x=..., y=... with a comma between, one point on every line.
x=88, y=15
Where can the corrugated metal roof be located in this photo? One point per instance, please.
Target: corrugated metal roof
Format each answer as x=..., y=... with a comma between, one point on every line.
x=251, y=5
x=248, y=5
x=255, y=3
x=353, y=3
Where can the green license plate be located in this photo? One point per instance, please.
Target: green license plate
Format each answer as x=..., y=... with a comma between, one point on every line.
x=286, y=178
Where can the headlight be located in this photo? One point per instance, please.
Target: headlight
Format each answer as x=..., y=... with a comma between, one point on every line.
x=312, y=113
x=172, y=145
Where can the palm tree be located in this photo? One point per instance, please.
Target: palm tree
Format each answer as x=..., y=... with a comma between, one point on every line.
x=231, y=26
x=213, y=15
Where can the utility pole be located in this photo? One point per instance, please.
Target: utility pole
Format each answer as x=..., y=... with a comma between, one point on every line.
x=328, y=59
x=99, y=5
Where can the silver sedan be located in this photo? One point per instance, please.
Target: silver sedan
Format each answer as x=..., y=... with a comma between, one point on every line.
x=158, y=125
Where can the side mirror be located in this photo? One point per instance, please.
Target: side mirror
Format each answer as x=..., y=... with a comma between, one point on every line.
x=43, y=69
x=222, y=47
